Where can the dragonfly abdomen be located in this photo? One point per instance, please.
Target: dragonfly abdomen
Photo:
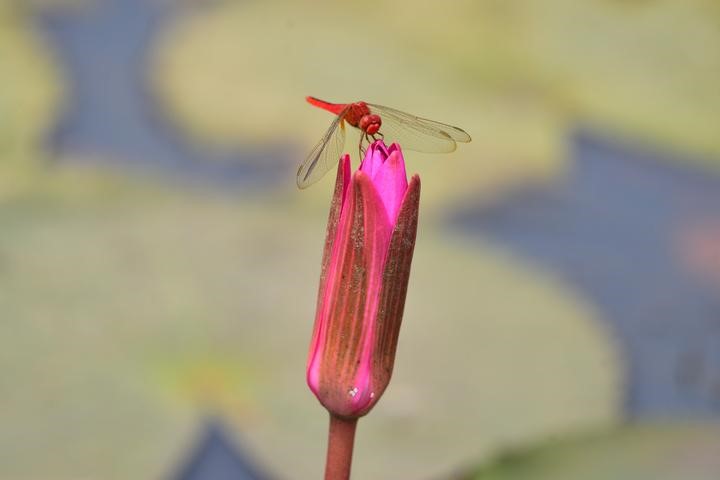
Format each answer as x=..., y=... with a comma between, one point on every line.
x=336, y=108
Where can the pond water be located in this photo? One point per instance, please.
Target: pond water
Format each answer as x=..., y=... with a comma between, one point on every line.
x=613, y=228
x=110, y=113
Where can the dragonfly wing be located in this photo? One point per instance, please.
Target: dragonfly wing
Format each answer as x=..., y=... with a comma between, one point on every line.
x=324, y=155
x=417, y=133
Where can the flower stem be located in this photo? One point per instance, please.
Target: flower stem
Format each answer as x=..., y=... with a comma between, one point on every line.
x=340, y=447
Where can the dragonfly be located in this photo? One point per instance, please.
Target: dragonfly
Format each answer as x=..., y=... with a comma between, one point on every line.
x=374, y=122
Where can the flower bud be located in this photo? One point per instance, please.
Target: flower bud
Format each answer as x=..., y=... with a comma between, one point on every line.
x=363, y=283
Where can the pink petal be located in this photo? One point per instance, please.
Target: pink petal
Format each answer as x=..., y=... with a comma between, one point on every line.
x=378, y=231
x=337, y=224
x=391, y=183
x=374, y=158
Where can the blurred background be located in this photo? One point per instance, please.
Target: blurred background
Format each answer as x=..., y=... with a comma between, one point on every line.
x=158, y=266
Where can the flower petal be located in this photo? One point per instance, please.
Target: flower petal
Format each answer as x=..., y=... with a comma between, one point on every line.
x=395, y=281
x=377, y=233
x=342, y=182
x=391, y=183
x=374, y=158
x=339, y=370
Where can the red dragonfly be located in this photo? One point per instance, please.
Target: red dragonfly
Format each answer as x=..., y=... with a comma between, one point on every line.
x=375, y=122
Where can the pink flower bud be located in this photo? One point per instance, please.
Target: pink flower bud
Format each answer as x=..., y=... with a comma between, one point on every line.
x=365, y=270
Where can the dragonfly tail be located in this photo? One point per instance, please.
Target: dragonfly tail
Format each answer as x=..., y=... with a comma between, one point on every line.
x=335, y=108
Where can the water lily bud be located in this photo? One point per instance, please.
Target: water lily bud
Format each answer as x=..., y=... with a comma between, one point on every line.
x=365, y=270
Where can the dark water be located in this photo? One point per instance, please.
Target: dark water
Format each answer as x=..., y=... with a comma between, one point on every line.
x=217, y=456
x=110, y=111
x=610, y=228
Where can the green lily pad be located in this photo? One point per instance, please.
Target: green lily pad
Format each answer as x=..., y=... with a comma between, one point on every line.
x=640, y=452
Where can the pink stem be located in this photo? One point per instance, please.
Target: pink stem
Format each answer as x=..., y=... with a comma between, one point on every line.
x=340, y=447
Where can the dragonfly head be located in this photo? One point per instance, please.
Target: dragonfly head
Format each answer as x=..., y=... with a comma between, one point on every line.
x=370, y=124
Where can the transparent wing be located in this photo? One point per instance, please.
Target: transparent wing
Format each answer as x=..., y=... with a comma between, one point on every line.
x=324, y=155
x=417, y=133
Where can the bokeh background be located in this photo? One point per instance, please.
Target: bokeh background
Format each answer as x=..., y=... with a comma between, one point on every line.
x=158, y=266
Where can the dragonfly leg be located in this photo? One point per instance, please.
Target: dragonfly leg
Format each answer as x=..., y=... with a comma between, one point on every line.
x=369, y=139
x=374, y=137
x=361, y=150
